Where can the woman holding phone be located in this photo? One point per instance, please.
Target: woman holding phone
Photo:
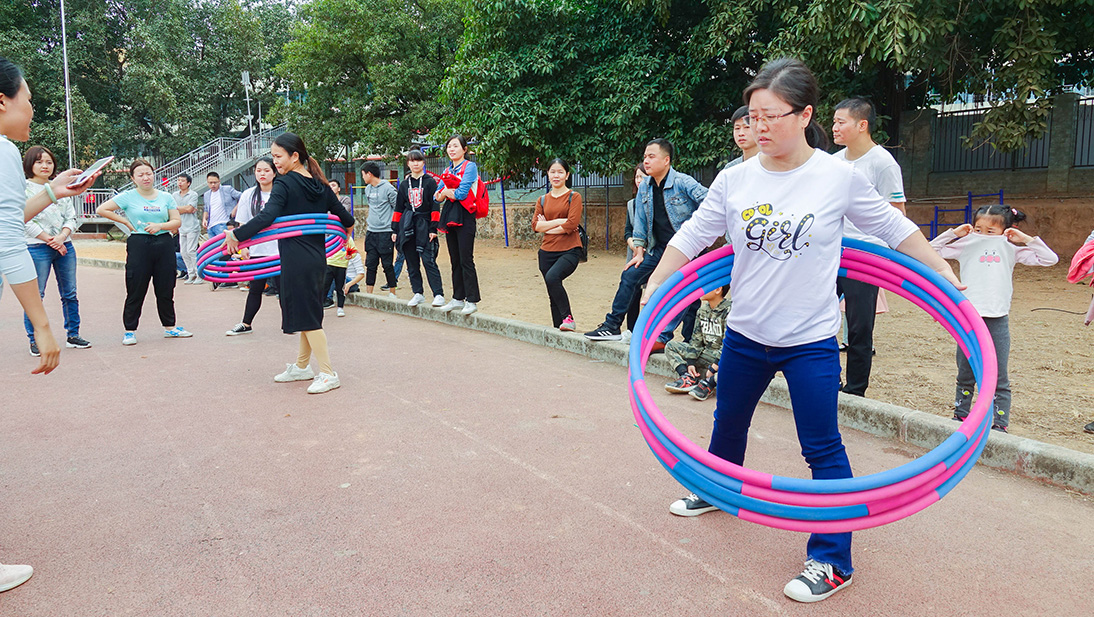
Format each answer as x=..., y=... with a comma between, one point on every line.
x=16, y=264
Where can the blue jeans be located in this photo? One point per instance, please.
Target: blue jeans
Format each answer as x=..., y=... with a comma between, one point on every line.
x=217, y=229
x=398, y=265
x=180, y=265
x=812, y=372
x=631, y=279
x=65, y=266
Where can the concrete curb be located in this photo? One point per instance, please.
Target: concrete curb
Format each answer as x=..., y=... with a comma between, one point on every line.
x=1026, y=457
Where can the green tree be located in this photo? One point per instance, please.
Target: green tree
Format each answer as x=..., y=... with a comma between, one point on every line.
x=369, y=71
x=592, y=81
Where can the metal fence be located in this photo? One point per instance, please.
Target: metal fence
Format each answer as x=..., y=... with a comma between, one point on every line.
x=1084, y=133
x=950, y=154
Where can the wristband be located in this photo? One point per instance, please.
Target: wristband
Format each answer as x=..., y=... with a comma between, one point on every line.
x=50, y=193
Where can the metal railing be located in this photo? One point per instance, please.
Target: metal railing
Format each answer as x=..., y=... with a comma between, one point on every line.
x=1084, y=133
x=212, y=155
x=950, y=154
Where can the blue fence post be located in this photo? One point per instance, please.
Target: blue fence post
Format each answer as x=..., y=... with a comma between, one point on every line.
x=1000, y=197
x=504, y=220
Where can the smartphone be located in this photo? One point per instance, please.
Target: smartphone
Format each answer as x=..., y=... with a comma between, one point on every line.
x=90, y=171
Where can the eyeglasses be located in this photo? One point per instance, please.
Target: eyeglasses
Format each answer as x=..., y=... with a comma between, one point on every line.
x=768, y=119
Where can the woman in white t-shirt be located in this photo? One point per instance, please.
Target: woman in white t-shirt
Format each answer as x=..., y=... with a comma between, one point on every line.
x=783, y=211
x=16, y=209
x=251, y=202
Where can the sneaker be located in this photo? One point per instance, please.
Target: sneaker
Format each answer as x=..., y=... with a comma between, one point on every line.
x=294, y=373
x=1089, y=428
x=229, y=285
x=341, y=312
x=328, y=303
x=692, y=505
x=452, y=305
x=129, y=338
x=816, y=582
x=216, y=286
x=604, y=333
x=682, y=385
x=324, y=383
x=658, y=347
x=77, y=343
x=269, y=292
x=384, y=288
x=193, y=281
x=241, y=328
x=701, y=391
x=438, y=301
x=625, y=336
x=958, y=418
x=392, y=296
x=177, y=332
x=416, y=300
x=999, y=427
x=469, y=308
x=182, y=275
x=34, y=350
x=13, y=576
x=568, y=324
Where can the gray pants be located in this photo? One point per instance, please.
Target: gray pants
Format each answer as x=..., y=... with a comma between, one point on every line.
x=999, y=329
x=188, y=246
x=678, y=352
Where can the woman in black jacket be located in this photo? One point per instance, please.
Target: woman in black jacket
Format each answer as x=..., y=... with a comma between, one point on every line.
x=415, y=224
x=300, y=188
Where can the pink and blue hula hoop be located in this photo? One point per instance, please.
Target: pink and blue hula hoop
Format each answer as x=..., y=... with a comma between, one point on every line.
x=213, y=266
x=821, y=506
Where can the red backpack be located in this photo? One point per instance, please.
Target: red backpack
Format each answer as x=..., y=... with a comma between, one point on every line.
x=477, y=201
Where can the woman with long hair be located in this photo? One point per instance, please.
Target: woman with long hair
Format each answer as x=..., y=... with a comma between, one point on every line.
x=150, y=215
x=16, y=264
x=458, y=222
x=414, y=226
x=557, y=216
x=301, y=188
x=251, y=202
x=48, y=240
x=783, y=211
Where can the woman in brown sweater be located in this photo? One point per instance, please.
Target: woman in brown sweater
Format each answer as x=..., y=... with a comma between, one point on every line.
x=558, y=213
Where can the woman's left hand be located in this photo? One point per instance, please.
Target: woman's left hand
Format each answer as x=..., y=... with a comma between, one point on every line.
x=153, y=228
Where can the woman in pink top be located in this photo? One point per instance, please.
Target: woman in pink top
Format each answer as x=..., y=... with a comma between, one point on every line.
x=987, y=251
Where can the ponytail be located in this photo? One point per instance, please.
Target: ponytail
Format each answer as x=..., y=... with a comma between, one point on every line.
x=816, y=136
x=316, y=171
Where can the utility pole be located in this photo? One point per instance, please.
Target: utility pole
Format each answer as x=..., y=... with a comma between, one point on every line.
x=247, y=96
x=68, y=92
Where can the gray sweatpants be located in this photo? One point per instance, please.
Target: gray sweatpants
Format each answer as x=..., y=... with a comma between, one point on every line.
x=999, y=328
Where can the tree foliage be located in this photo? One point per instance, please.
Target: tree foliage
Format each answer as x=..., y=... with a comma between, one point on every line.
x=149, y=78
x=591, y=82
x=370, y=72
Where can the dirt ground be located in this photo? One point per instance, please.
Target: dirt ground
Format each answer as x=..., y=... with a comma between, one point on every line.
x=1051, y=361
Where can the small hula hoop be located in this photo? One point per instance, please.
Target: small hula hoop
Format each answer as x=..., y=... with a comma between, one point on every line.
x=212, y=266
x=821, y=506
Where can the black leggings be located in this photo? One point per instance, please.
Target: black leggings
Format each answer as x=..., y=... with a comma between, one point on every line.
x=254, y=297
x=149, y=258
x=555, y=266
x=338, y=277
x=461, y=252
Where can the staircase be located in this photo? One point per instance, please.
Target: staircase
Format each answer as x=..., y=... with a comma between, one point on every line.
x=228, y=156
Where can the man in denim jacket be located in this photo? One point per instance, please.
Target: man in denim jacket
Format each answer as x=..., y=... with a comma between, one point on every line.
x=665, y=200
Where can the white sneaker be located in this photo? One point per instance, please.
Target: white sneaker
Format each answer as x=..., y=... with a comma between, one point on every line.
x=341, y=312
x=13, y=576
x=324, y=383
x=193, y=281
x=295, y=373
x=416, y=300
x=438, y=301
x=129, y=338
x=452, y=305
x=469, y=308
x=392, y=296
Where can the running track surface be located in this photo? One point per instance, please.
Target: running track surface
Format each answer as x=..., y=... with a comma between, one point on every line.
x=454, y=473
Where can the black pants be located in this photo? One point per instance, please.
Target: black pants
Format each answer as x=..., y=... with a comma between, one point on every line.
x=379, y=250
x=416, y=258
x=555, y=266
x=254, y=297
x=635, y=307
x=687, y=326
x=338, y=277
x=860, y=302
x=461, y=252
x=149, y=258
